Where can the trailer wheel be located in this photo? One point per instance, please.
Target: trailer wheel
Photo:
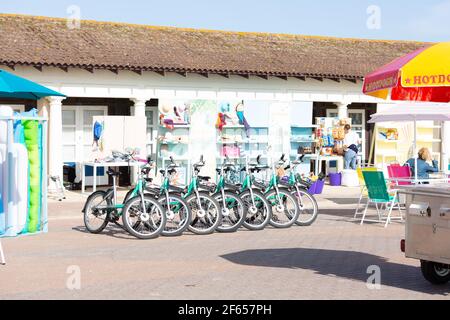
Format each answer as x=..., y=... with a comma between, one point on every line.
x=436, y=273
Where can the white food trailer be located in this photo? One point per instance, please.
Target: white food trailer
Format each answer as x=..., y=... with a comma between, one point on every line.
x=428, y=230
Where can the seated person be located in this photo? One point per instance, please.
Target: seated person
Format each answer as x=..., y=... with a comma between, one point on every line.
x=423, y=167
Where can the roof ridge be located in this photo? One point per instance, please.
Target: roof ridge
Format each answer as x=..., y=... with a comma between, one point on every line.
x=241, y=33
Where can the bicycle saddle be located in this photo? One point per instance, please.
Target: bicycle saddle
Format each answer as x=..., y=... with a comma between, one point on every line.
x=178, y=189
x=113, y=173
x=234, y=187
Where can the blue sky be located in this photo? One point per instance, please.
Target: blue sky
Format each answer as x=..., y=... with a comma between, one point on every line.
x=400, y=19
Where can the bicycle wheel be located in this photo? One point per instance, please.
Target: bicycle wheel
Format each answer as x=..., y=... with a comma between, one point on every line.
x=309, y=209
x=207, y=216
x=234, y=213
x=96, y=220
x=285, y=210
x=258, y=216
x=143, y=219
x=178, y=215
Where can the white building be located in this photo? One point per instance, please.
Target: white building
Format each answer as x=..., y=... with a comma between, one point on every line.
x=121, y=69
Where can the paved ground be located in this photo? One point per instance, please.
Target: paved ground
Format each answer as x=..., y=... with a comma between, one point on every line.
x=326, y=261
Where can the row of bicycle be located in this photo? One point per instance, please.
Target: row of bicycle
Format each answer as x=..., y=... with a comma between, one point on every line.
x=204, y=207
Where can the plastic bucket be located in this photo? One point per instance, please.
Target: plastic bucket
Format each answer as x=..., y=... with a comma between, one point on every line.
x=319, y=186
x=335, y=179
x=312, y=189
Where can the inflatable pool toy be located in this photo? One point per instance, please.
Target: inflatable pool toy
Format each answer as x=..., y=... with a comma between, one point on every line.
x=3, y=183
x=31, y=131
x=20, y=187
x=8, y=112
x=22, y=173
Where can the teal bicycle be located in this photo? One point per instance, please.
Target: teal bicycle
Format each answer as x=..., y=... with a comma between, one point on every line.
x=206, y=213
x=178, y=212
x=259, y=211
x=285, y=210
x=233, y=208
x=142, y=216
x=307, y=204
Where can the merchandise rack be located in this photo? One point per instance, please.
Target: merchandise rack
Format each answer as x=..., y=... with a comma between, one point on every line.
x=179, y=150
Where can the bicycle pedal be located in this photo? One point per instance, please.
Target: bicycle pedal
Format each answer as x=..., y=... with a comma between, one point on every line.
x=114, y=218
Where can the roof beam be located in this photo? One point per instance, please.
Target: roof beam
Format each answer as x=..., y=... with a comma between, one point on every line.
x=11, y=66
x=352, y=80
x=335, y=79
x=89, y=69
x=64, y=68
x=114, y=70
x=204, y=74
x=160, y=72
x=182, y=73
x=138, y=71
x=38, y=67
x=263, y=76
x=245, y=75
x=317, y=78
x=226, y=75
x=303, y=78
x=282, y=77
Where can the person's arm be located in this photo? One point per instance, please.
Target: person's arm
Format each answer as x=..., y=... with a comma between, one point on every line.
x=434, y=168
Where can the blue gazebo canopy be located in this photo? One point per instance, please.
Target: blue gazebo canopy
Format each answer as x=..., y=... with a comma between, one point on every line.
x=15, y=87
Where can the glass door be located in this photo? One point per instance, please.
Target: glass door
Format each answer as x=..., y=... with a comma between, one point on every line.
x=77, y=139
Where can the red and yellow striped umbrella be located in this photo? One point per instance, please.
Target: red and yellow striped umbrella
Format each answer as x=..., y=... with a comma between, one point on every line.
x=423, y=75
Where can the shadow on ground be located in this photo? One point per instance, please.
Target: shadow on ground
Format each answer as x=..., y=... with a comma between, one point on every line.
x=344, y=201
x=111, y=231
x=345, y=264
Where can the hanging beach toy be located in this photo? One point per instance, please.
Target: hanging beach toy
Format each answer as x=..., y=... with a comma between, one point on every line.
x=241, y=117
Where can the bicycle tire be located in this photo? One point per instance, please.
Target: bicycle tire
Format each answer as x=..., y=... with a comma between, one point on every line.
x=250, y=218
x=211, y=224
x=315, y=208
x=182, y=227
x=131, y=227
x=87, y=211
x=235, y=223
x=292, y=218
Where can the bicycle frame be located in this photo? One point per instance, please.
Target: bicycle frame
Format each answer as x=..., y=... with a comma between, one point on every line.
x=193, y=188
x=294, y=182
x=273, y=184
x=247, y=184
x=112, y=194
x=220, y=188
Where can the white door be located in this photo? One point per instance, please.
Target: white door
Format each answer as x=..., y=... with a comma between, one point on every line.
x=77, y=137
x=358, y=117
x=152, y=130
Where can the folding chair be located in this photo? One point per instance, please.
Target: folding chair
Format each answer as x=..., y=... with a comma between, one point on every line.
x=2, y=255
x=362, y=186
x=379, y=194
x=400, y=173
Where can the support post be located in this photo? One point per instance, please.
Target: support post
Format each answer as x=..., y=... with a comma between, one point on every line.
x=2, y=254
x=445, y=131
x=138, y=110
x=55, y=152
x=342, y=110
